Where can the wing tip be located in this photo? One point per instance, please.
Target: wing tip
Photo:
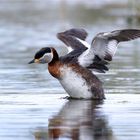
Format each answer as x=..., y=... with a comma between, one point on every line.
x=108, y=57
x=76, y=32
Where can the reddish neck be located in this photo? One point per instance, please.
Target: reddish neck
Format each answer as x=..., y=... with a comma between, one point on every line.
x=54, y=65
x=55, y=57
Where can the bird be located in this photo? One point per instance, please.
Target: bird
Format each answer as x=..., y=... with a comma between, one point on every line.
x=76, y=70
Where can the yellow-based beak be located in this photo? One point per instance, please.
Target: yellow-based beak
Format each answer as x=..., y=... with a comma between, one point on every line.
x=34, y=61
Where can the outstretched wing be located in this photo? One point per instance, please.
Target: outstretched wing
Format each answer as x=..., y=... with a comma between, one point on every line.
x=103, y=48
x=73, y=38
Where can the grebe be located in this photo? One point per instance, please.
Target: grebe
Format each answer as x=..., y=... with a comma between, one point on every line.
x=74, y=70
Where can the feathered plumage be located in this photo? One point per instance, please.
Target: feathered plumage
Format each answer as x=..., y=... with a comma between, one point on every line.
x=102, y=49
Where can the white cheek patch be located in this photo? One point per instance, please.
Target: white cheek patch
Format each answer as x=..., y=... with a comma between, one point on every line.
x=47, y=57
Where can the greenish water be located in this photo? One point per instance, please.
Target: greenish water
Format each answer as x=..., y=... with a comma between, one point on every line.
x=31, y=101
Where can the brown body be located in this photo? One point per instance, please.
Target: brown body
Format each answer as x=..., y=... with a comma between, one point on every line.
x=93, y=83
x=73, y=70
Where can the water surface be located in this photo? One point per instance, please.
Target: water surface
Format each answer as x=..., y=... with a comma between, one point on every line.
x=31, y=101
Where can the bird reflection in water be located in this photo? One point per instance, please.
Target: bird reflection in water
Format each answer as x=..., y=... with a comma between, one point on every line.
x=77, y=120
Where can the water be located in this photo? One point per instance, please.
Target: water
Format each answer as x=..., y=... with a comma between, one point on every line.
x=31, y=101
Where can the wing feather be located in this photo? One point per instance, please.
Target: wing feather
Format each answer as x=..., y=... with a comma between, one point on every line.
x=124, y=35
x=73, y=38
x=102, y=49
x=104, y=45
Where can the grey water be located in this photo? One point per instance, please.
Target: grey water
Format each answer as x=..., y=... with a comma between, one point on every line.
x=32, y=104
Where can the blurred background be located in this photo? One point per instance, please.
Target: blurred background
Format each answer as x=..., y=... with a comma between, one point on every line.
x=28, y=25
x=29, y=95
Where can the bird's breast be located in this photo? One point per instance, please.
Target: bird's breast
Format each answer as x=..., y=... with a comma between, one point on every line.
x=74, y=84
x=54, y=69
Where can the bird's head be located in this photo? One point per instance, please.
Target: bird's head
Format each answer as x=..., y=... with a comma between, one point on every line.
x=44, y=55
